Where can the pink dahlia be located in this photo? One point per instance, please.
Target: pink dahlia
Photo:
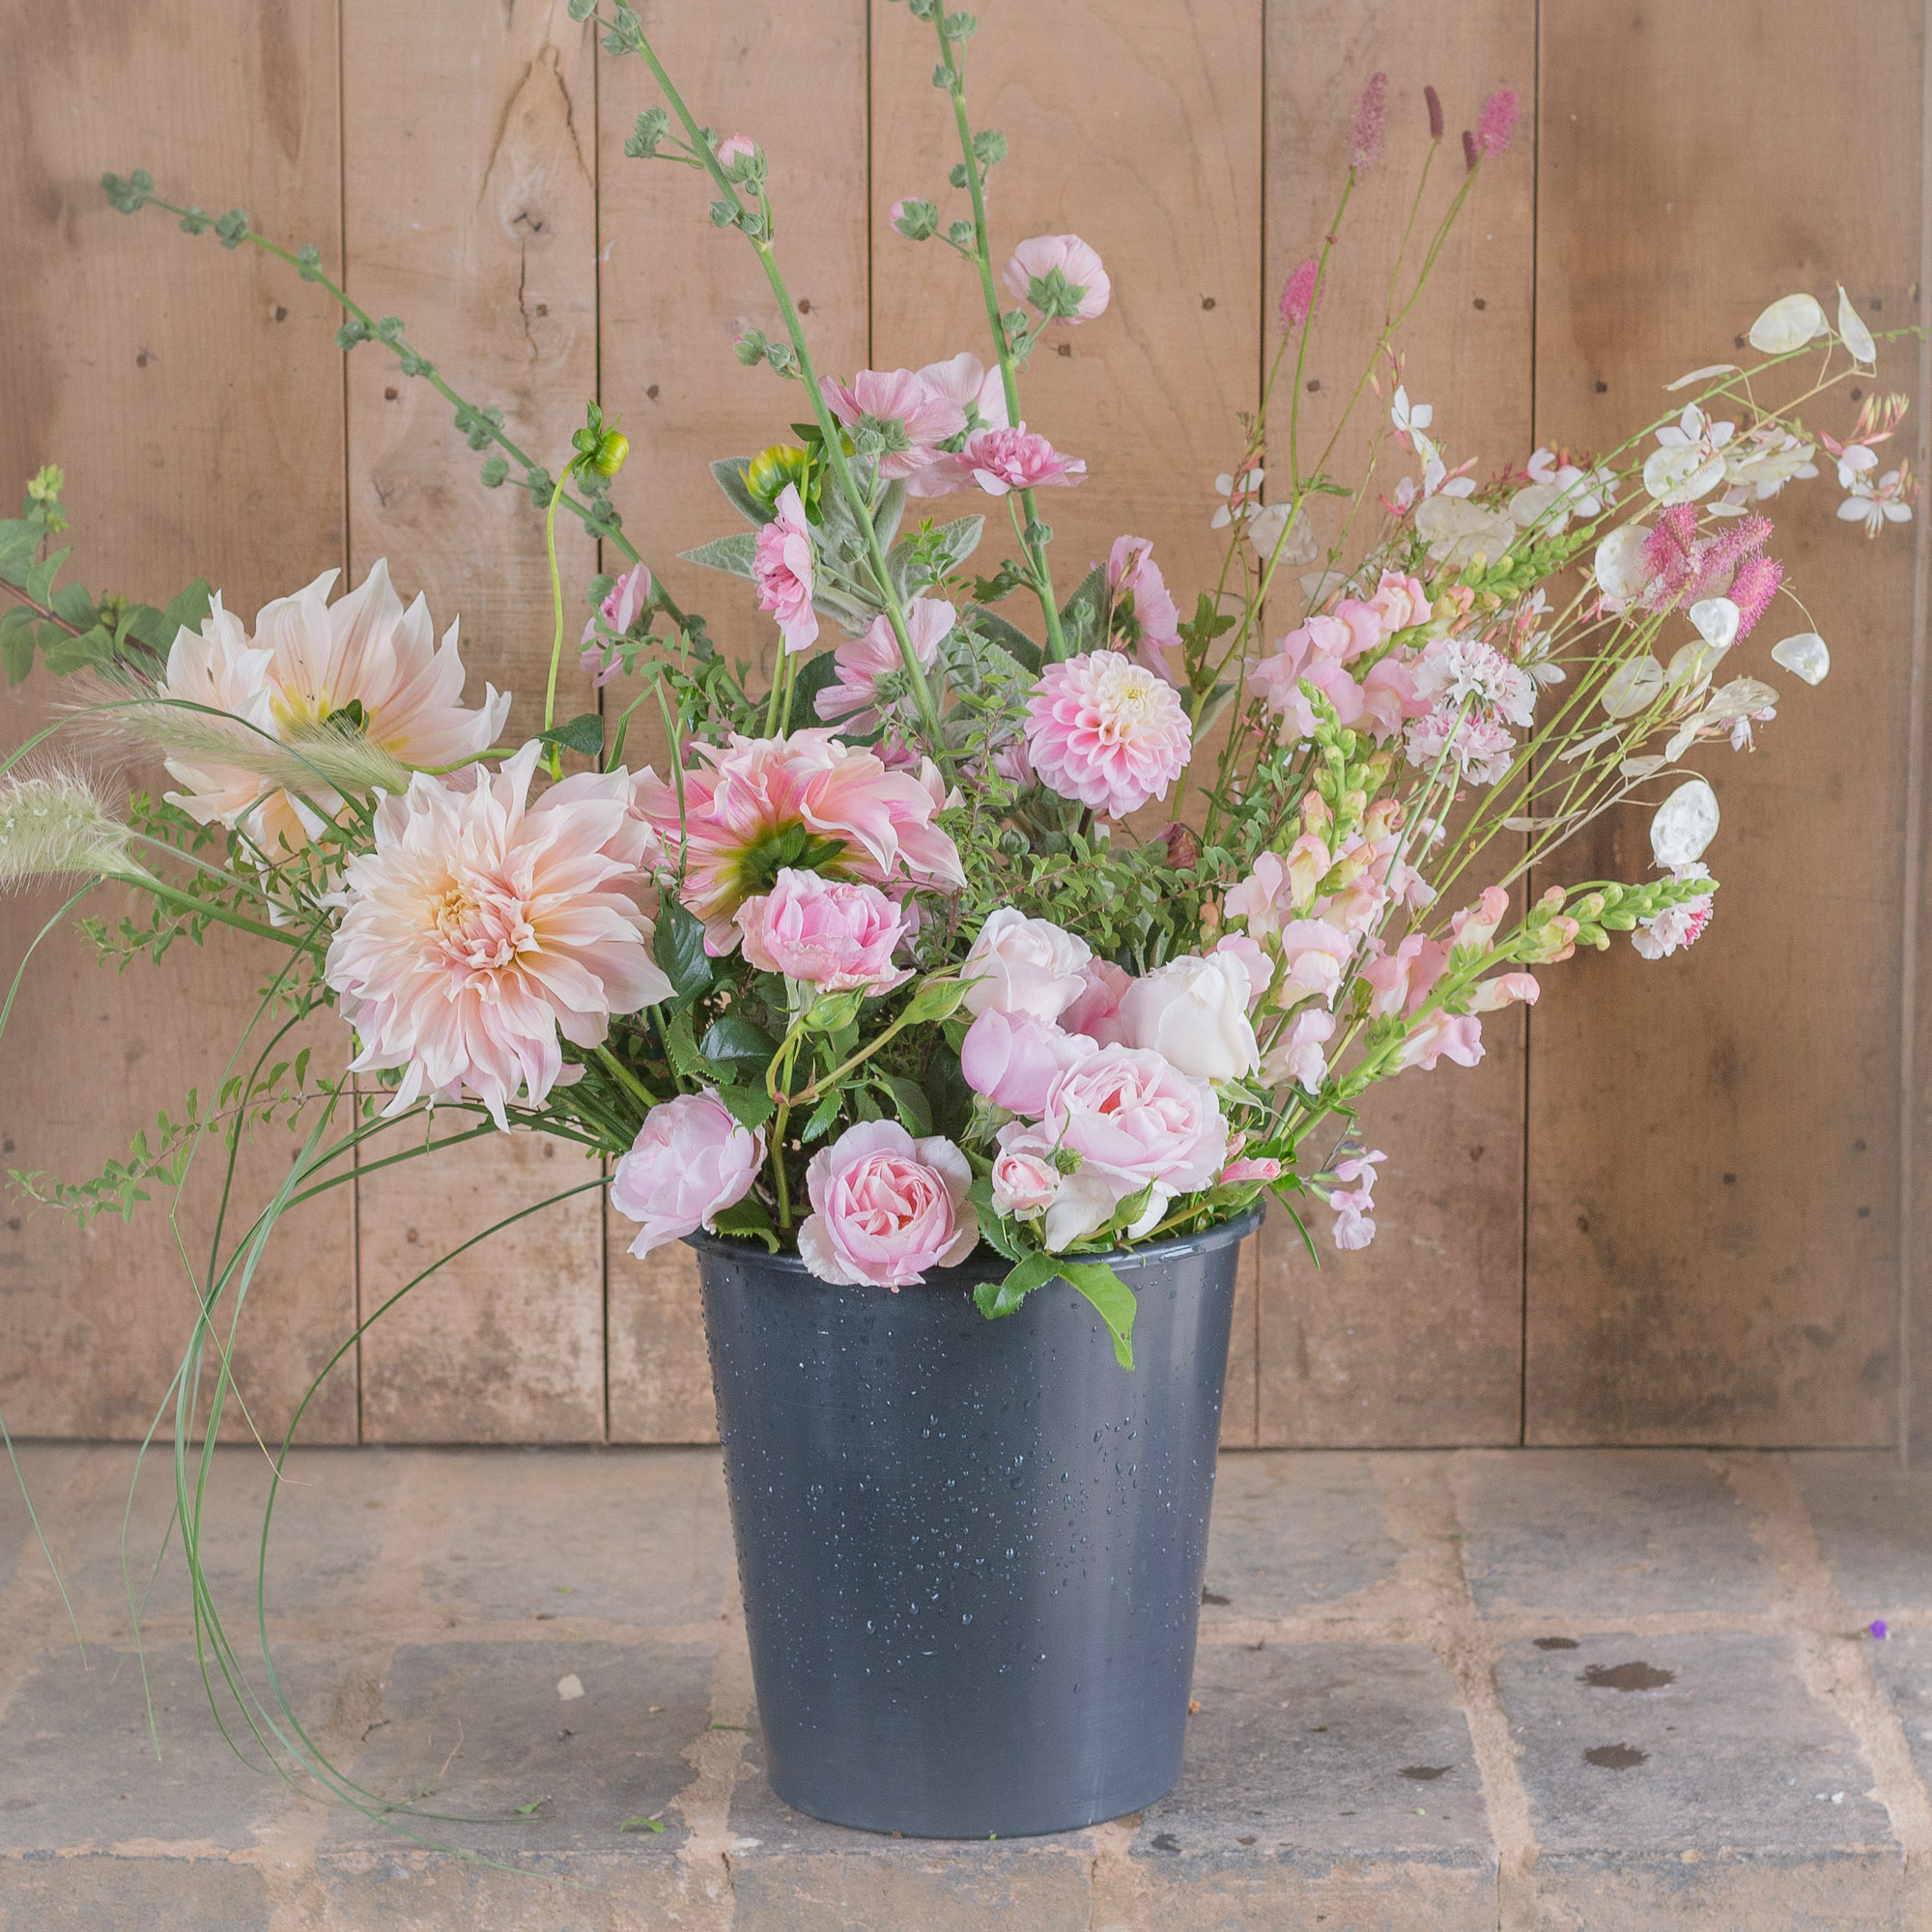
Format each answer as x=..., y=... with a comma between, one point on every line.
x=834, y=934
x=864, y=661
x=1106, y=731
x=782, y=568
x=479, y=929
x=910, y=416
x=999, y=460
x=1141, y=594
x=858, y=820
x=885, y=1207
x=1083, y=289
x=620, y=609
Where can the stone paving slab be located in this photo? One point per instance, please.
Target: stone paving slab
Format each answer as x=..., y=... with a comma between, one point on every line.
x=1571, y=1690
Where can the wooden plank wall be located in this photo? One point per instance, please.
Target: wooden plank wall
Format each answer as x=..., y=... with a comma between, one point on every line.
x=1673, y=1203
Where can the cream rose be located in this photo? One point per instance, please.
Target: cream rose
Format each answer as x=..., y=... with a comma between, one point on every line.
x=1194, y=1014
x=1021, y=965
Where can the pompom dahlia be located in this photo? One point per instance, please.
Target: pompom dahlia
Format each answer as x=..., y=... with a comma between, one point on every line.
x=1106, y=731
x=479, y=929
x=758, y=805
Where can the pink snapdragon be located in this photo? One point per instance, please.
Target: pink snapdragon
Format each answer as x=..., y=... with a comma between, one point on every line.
x=1402, y=978
x=910, y=416
x=1474, y=927
x=999, y=460
x=885, y=1207
x=863, y=661
x=1456, y=1036
x=1400, y=602
x=1107, y=732
x=1012, y=1059
x=835, y=934
x=692, y=1159
x=783, y=570
x=1297, y=1054
x=1353, y=1228
x=1494, y=994
x=1297, y=296
x=1141, y=593
x=1314, y=954
x=1036, y=260
x=623, y=604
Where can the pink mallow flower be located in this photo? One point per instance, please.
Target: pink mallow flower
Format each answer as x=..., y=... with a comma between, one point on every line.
x=1141, y=592
x=782, y=569
x=1080, y=267
x=737, y=799
x=885, y=1207
x=863, y=661
x=735, y=148
x=1012, y=1059
x=912, y=417
x=478, y=928
x=1107, y=732
x=834, y=934
x=692, y=1159
x=621, y=608
x=999, y=460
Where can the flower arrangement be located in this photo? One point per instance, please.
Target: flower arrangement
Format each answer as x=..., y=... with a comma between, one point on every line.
x=1001, y=917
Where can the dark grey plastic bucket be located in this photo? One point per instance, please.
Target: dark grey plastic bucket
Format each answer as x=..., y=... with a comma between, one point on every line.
x=971, y=1552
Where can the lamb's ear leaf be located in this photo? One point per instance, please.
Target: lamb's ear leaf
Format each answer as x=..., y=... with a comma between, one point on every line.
x=731, y=472
x=732, y=553
x=1083, y=617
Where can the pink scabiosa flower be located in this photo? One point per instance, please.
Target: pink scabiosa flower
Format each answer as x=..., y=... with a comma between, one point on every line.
x=1107, y=732
x=1370, y=126
x=620, y=609
x=863, y=661
x=1143, y=603
x=1297, y=296
x=999, y=460
x=1496, y=123
x=859, y=820
x=691, y=1160
x=1082, y=288
x=784, y=566
x=905, y=413
x=885, y=1207
x=834, y=934
x=479, y=929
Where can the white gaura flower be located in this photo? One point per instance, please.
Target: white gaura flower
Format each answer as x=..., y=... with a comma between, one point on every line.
x=1409, y=418
x=1876, y=505
x=1688, y=463
x=1587, y=492
x=1243, y=494
x=1761, y=463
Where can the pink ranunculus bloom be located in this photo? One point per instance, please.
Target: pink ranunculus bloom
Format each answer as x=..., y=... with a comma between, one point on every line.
x=1494, y=994
x=1194, y=1014
x=1025, y=1179
x=861, y=661
x=783, y=570
x=1400, y=602
x=692, y=1159
x=1314, y=956
x=1458, y=1037
x=1132, y=573
x=885, y=1207
x=478, y=928
x=1239, y=1173
x=834, y=934
x=999, y=460
x=621, y=608
x=1475, y=926
x=1297, y=1054
x=1080, y=267
x=1012, y=1059
x=1259, y=966
x=916, y=418
x=1402, y=978
x=1106, y=731
x=1021, y=965
x=737, y=798
x=1095, y=1010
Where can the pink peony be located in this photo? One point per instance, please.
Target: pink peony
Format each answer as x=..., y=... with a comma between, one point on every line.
x=1021, y=965
x=1194, y=1014
x=620, y=609
x=1012, y=1059
x=999, y=460
x=478, y=928
x=1025, y=1179
x=783, y=570
x=1107, y=732
x=1141, y=592
x=864, y=661
x=834, y=934
x=886, y=1207
x=869, y=823
x=1459, y=1036
x=1297, y=296
x=911, y=416
x=1080, y=269
x=692, y=1158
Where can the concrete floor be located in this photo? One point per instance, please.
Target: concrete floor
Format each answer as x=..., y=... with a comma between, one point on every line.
x=1590, y=1689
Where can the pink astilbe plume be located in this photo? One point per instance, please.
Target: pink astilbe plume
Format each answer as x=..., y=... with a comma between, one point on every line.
x=1371, y=123
x=1752, y=588
x=1297, y=296
x=1496, y=123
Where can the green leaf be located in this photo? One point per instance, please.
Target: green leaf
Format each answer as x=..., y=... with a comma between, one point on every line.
x=731, y=472
x=679, y=948
x=892, y=509
x=734, y=554
x=1010, y=638
x=946, y=550
x=1112, y=1299
x=750, y=1106
x=909, y=1099
x=19, y=541
x=39, y=579
x=585, y=733
x=817, y=675
x=72, y=605
x=682, y=1045
x=16, y=643
x=749, y=1217
x=650, y=1824
x=934, y=999
x=822, y=1116
x=525, y=1811
x=733, y=1040
x=1083, y=617
x=992, y=1229
x=994, y=1298
x=188, y=609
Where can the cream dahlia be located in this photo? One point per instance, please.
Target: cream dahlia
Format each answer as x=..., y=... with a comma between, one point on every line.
x=1106, y=731
x=480, y=927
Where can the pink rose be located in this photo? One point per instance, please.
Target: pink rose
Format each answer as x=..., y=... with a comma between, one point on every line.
x=1021, y=965
x=1096, y=1010
x=1083, y=279
x=1237, y=1173
x=782, y=569
x=834, y=934
x=692, y=1159
x=1013, y=1057
x=1194, y=1014
x=886, y=1207
x=1025, y=1179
